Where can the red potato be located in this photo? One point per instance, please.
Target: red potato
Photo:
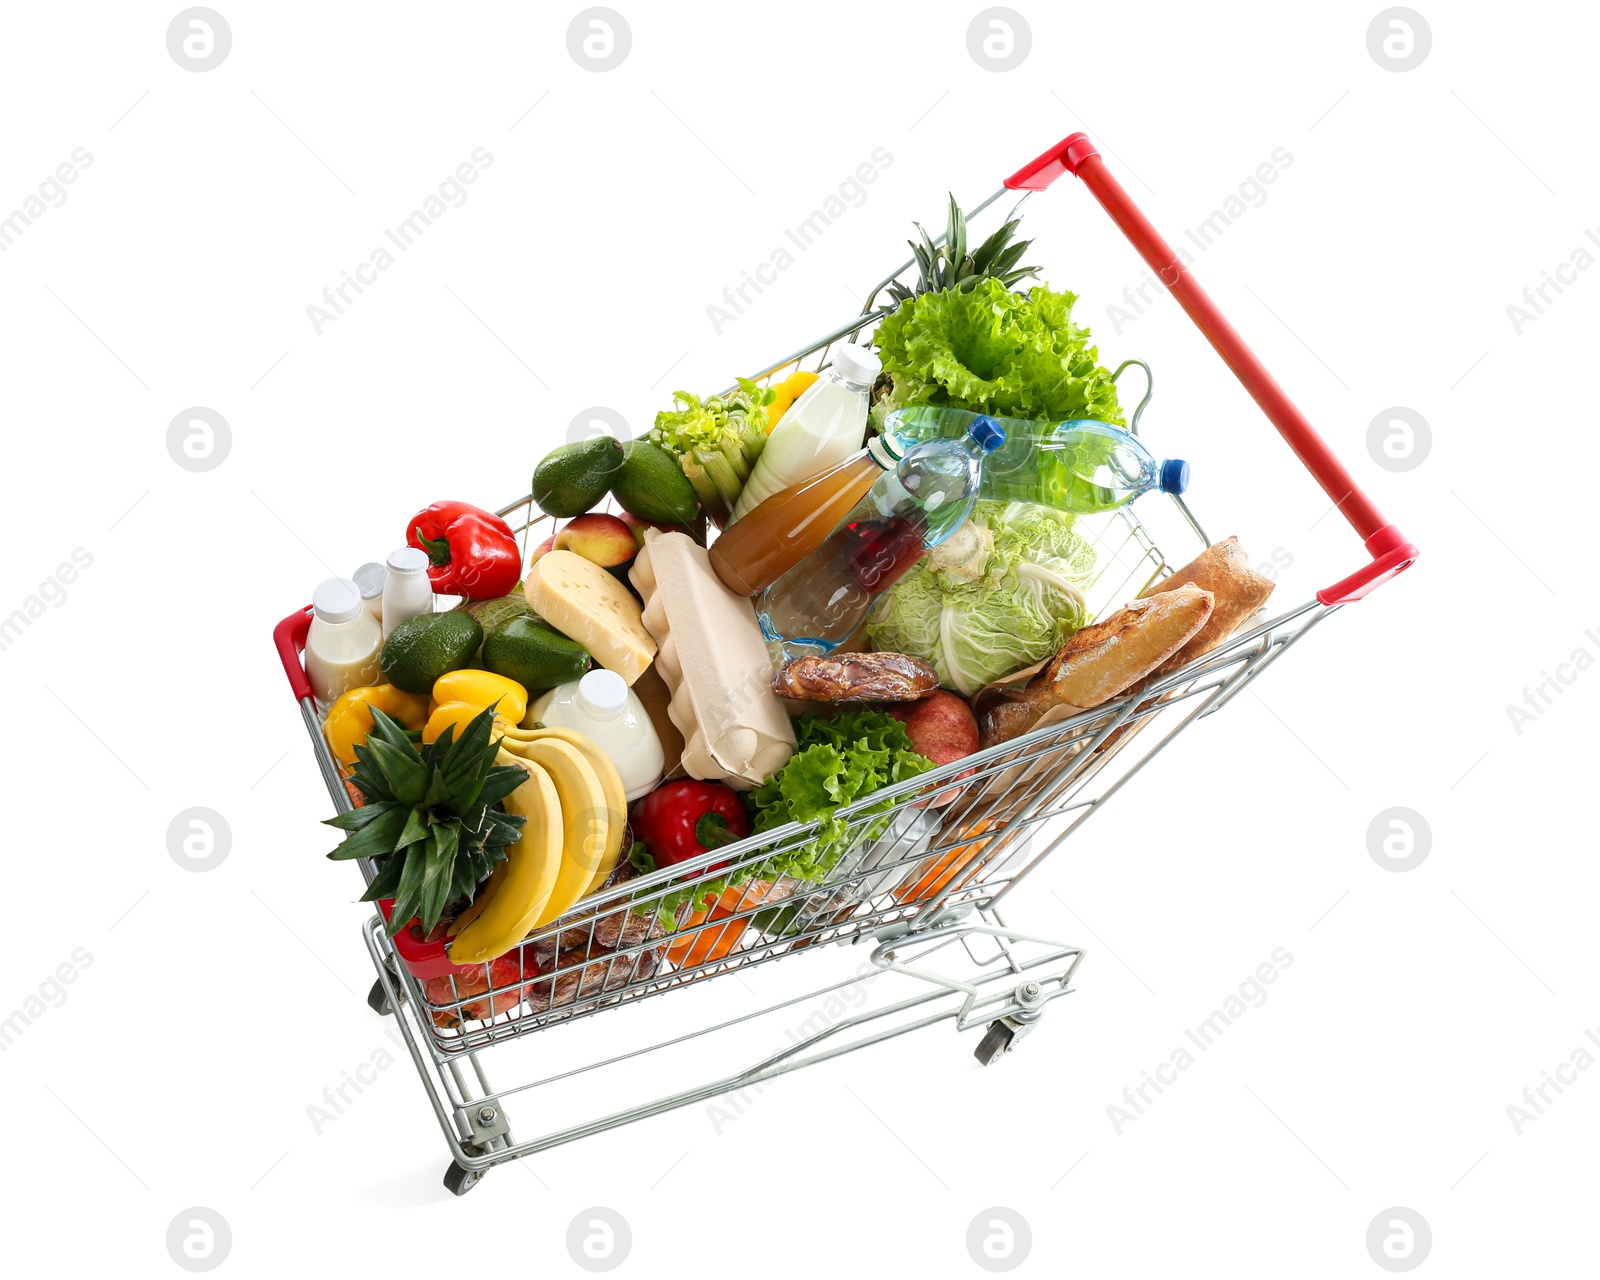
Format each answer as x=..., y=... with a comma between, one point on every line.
x=599, y=538
x=942, y=727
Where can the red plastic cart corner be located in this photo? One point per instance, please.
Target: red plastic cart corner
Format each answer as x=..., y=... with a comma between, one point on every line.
x=1391, y=553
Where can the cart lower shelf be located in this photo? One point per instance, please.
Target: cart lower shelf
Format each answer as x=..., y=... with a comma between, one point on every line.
x=973, y=971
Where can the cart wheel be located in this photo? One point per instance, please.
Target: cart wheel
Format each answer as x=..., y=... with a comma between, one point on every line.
x=995, y=1044
x=459, y=1181
x=378, y=999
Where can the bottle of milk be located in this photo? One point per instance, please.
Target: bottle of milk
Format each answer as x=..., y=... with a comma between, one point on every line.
x=600, y=706
x=821, y=429
x=407, y=593
x=343, y=643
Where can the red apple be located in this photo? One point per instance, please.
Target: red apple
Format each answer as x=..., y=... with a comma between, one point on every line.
x=543, y=549
x=942, y=727
x=599, y=538
x=638, y=526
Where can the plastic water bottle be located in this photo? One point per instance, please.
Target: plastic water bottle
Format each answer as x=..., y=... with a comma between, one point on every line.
x=821, y=602
x=1081, y=465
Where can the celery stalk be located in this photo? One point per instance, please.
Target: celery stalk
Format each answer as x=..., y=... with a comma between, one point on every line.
x=728, y=482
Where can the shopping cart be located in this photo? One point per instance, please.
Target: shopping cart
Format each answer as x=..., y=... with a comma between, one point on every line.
x=921, y=888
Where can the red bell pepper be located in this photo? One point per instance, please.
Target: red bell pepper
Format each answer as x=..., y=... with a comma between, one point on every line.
x=684, y=819
x=473, y=553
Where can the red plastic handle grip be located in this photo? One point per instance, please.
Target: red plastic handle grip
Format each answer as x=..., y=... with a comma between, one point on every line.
x=1064, y=157
x=1389, y=550
x=290, y=637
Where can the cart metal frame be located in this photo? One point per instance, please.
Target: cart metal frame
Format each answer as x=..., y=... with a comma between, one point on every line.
x=922, y=882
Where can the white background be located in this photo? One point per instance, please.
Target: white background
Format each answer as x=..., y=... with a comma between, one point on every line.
x=180, y=1067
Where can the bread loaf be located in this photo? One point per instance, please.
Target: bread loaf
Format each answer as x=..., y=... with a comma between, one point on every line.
x=1238, y=590
x=1097, y=663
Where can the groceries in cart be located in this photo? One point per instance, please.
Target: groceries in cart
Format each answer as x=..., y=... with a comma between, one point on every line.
x=774, y=613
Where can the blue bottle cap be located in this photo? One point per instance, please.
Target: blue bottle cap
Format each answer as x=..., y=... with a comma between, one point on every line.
x=989, y=434
x=1174, y=475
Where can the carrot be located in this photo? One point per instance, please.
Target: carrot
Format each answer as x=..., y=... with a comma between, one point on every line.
x=933, y=876
x=715, y=942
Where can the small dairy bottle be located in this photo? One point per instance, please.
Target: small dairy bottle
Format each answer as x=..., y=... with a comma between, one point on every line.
x=343, y=643
x=369, y=580
x=407, y=593
x=821, y=429
x=600, y=706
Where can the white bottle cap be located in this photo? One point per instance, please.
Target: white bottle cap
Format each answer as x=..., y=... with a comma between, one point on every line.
x=856, y=364
x=408, y=560
x=336, y=600
x=369, y=580
x=603, y=694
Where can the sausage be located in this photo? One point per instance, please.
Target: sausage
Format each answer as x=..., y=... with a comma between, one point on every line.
x=856, y=677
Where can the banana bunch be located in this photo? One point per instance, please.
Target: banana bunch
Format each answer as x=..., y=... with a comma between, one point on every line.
x=576, y=814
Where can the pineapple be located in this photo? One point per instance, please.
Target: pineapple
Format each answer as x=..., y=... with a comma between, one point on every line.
x=950, y=266
x=429, y=819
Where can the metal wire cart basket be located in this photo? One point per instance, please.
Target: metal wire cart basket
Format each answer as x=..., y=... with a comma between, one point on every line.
x=921, y=889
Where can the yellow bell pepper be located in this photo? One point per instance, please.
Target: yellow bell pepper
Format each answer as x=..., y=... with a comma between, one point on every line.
x=349, y=719
x=459, y=715
x=789, y=390
x=480, y=689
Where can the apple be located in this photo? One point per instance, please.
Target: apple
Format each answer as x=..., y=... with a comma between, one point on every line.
x=637, y=527
x=942, y=727
x=543, y=549
x=599, y=538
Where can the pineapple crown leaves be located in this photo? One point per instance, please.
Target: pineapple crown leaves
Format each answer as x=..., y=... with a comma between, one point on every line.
x=429, y=815
x=950, y=266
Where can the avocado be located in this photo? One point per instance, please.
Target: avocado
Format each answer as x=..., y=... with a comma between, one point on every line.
x=651, y=485
x=572, y=478
x=422, y=649
x=534, y=654
x=491, y=613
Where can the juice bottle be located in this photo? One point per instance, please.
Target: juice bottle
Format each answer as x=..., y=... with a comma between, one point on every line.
x=822, y=601
x=753, y=553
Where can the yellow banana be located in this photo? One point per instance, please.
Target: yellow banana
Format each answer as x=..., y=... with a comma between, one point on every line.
x=532, y=867
x=586, y=818
x=480, y=900
x=610, y=783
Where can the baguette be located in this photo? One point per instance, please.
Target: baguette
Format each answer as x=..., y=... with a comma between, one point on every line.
x=1097, y=663
x=1224, y=570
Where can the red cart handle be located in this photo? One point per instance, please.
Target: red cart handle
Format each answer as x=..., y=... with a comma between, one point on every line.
x=290, y=637
x=1389, y=550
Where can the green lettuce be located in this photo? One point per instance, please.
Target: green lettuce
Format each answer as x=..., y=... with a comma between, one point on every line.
x=1015, y=355
x=977, y=617
x=838, y=761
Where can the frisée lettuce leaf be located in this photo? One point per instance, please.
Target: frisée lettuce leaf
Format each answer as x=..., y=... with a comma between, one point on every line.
x=839, y=760
x=1015, y=355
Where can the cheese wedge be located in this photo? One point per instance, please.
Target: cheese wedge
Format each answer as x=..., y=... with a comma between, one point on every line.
x=585, y=603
